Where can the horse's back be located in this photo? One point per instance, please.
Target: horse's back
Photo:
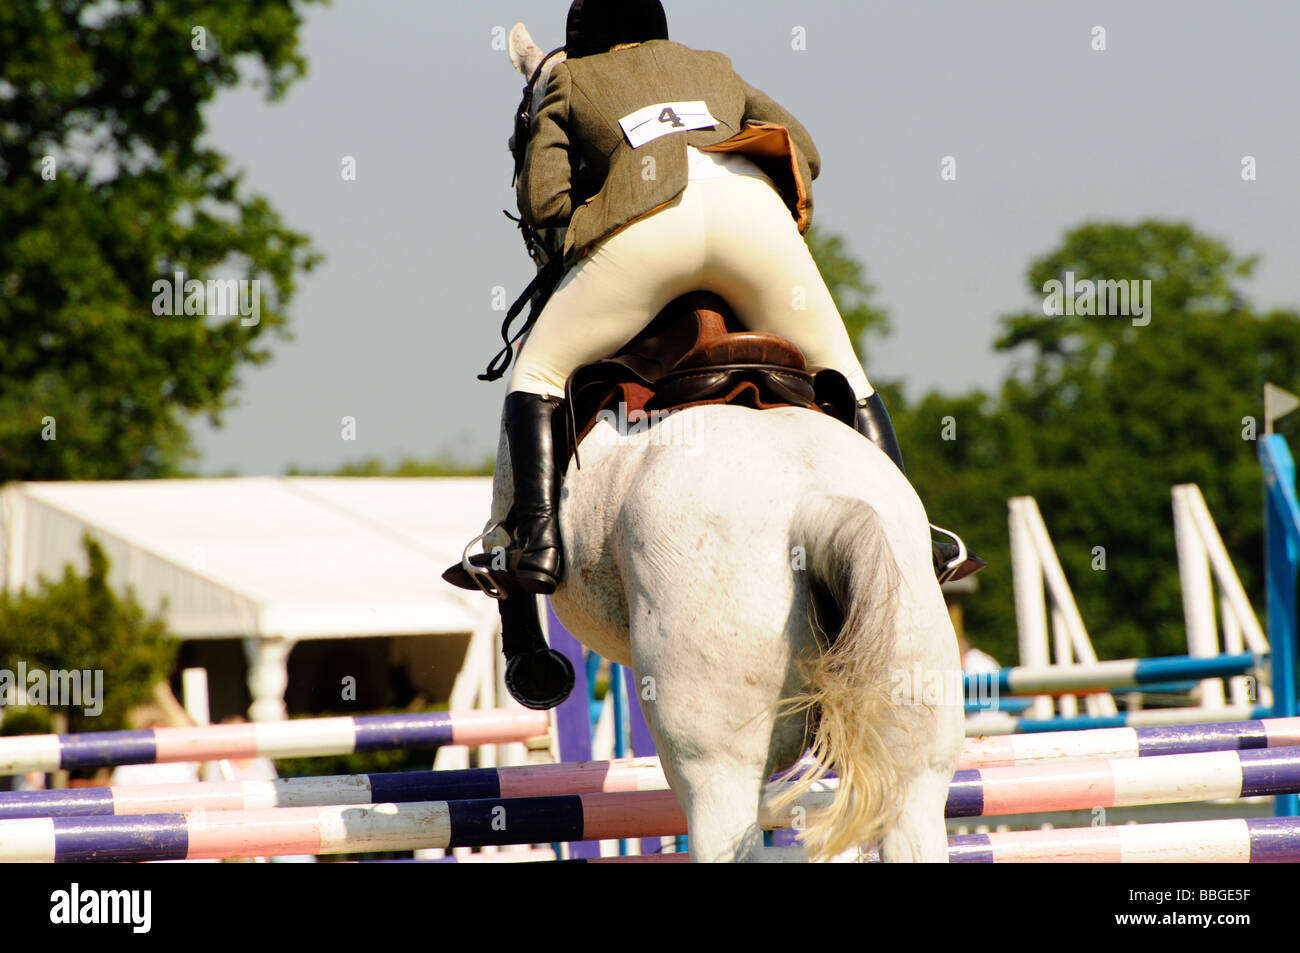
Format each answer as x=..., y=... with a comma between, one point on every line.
x=740, y=476
x=703, y=506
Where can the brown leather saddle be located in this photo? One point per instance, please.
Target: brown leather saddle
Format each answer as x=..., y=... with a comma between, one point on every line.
x=697, y=352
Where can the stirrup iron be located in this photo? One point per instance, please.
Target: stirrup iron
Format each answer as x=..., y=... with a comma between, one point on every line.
x=956, y=562
x=477, y=575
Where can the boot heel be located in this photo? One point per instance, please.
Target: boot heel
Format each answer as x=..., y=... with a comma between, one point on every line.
x=538, y=583
x=538, y=570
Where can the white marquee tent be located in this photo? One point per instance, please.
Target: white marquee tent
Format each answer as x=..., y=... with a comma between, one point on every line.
x=271, y=560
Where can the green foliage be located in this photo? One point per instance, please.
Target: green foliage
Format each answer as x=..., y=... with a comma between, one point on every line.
x=79, y=623
x=439, y=466
x=1100, y=421
x=115, y=96
x=365, y=762
x=845, y=277
x=26, y=721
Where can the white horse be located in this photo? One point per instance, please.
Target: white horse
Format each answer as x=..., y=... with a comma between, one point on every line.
x=767, y=575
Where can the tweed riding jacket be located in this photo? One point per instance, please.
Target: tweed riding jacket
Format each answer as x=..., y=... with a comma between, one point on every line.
x=582, y=171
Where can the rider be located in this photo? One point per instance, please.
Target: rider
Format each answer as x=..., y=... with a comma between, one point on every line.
x=616, y=157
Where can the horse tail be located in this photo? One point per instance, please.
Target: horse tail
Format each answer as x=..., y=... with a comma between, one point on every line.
x=847, y=697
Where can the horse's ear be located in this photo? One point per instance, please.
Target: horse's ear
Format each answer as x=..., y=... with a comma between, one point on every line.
x=524, y=53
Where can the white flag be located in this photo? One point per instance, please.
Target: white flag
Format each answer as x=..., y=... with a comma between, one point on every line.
x=1277, y=403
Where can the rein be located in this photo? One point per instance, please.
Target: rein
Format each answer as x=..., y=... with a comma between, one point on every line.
x=524, y=114
x=539, y=290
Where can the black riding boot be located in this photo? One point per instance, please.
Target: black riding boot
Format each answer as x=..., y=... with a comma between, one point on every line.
x=872, y=421
x=533, y=560
x=534, y=556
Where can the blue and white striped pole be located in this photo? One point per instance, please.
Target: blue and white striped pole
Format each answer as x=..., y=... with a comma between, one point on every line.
x=1104, y=676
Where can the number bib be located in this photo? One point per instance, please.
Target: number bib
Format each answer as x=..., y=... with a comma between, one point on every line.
x=646, y=125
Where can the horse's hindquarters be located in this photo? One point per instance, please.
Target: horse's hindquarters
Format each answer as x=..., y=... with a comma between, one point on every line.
x=696, y=561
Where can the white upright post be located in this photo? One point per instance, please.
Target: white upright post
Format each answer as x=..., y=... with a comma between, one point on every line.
x=194, y=695
x=1224, y=573
x=474, y=687
x=1198, y=596
x=13, y=537
x=467, y=689
x=1058, y=587
x=1068, y=704
x=1031, y=603
x=1233, y=644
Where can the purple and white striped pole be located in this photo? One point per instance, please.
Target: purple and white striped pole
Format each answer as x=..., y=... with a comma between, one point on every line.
x=304, y=737
x=1130, y=742
x=1019, y=789
x=626, y=775
x=385, y=827
x=341, y=829
x=1124, y=782
x=1261, y=840
x=329, y=736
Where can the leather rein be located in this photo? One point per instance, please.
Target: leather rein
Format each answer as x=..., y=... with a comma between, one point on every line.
x=550, y=262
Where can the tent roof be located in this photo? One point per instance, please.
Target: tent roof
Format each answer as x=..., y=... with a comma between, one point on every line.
x=299, y=557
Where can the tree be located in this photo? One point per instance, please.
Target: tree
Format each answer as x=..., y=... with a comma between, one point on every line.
x=1104, y=417
x=105, y=190
x=78, y=624
x=443, y=465
x=846, y=280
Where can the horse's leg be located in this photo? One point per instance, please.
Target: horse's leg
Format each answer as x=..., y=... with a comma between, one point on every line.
x=711, y=716
x=716, y=774
x=721, y=807
x=920, y=834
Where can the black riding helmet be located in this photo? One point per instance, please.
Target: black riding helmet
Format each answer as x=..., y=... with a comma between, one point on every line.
x=596, y=25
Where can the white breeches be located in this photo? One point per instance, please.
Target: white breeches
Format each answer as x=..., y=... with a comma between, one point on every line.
x=732, y=235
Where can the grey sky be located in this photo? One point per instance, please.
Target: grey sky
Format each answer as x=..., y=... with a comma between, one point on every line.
x=394, y=326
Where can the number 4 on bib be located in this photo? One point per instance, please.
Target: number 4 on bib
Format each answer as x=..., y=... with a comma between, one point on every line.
x=669, y=116
x=646, y=125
